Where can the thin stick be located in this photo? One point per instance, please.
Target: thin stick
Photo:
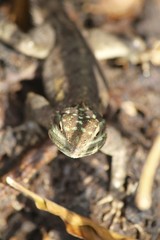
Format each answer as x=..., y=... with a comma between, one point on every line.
x=143, y=197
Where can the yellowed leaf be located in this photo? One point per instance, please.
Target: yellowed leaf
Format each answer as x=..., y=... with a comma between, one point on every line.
x=76, y=225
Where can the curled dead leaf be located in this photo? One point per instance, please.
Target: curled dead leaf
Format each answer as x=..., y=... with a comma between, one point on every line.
x=76, y=225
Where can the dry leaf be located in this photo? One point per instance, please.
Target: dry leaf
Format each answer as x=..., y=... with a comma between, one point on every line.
x=76, y=225
x=115, y=9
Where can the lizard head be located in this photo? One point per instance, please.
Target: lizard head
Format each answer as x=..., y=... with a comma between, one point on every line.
x=78, y=131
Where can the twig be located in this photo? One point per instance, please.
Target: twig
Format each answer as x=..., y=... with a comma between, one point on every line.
x=143, y=197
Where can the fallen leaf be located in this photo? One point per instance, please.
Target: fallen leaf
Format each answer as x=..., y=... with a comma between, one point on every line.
x=76, y=225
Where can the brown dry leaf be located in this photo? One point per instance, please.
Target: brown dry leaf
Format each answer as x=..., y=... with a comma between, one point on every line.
x=115, y=9
x=76, y=225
